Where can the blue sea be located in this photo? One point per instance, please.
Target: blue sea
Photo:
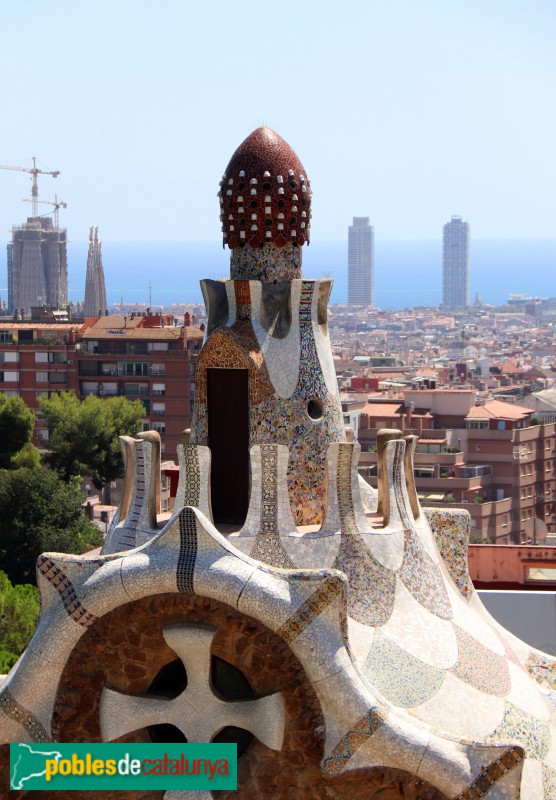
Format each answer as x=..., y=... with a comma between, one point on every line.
x=407, y=273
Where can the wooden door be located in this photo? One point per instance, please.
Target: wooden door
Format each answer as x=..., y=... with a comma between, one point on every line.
x=228, y=438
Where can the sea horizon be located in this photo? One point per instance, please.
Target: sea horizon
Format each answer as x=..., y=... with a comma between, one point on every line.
x=408, y=273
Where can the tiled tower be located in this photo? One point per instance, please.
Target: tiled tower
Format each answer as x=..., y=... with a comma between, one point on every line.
x=271, y=324
x=95, y=289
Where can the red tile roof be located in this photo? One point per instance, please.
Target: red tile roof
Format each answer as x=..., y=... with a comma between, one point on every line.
x=382, y=409
x=497, y=409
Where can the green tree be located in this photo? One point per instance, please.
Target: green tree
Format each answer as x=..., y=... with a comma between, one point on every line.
x=40, y=512
x=19, y=614
x=16, y=428
x=83, y=438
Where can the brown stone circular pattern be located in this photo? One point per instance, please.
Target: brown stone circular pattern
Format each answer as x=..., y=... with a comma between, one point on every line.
x=125, y=649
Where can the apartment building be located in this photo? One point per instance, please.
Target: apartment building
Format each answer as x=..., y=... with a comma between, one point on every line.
x=487, y=458
x=142, y=356
x=36, y=359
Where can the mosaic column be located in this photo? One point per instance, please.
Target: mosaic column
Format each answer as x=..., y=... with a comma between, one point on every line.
x=194, y=479
x=269, y=519
x=135, y=523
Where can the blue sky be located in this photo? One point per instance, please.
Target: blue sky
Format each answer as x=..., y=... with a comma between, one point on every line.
x=406, y=111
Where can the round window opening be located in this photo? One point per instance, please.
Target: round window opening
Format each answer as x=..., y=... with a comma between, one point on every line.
x=315, y=408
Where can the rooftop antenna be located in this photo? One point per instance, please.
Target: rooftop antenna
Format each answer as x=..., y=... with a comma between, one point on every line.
x=34, y=171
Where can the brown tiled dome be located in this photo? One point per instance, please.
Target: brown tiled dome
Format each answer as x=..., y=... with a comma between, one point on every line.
x=265, y=196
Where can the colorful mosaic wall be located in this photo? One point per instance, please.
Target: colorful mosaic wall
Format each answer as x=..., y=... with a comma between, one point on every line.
x=274, y=419
x=267, y=264
x=451, y=529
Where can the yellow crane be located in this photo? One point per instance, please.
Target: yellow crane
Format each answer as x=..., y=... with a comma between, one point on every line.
x=58, y=204
x=34, y=171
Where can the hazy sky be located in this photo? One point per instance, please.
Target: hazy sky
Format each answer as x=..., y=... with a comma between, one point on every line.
x=406, y=111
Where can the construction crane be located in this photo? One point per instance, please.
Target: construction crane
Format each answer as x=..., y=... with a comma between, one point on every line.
x=58, y=204
x=34, y=171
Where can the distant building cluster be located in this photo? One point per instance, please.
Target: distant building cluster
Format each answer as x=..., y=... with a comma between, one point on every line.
x=478, y=386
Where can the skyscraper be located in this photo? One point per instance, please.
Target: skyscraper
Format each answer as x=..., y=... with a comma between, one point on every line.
x=10, y=258
x=95, y=289
x=455, y=264
x=361, y=267
x=39, y=265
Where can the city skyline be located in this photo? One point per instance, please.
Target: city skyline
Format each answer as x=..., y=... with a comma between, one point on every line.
x=394, y=91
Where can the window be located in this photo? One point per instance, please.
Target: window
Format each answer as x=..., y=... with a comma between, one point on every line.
x=11, y=393
x=41, y=358
x=159, y=409
x=6, y=337
x=108, y=369
x=133, y=368
x=146, y=425
x=9, y=377
x=108, y=389
x=159, y=388
x=477, y=424
x=9, y=358
x=43, y=434
x=158, y=369
x=157, y=346
x=136, y=389
x=159, y=427
x=57, y=377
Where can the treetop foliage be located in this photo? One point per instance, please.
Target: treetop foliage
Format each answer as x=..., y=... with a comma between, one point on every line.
x=19, y=614
x=16, y=428
x=83, y=438
x=40, y=512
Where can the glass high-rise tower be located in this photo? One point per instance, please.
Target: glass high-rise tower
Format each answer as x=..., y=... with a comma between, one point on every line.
x=361, y=262
x=455, y=264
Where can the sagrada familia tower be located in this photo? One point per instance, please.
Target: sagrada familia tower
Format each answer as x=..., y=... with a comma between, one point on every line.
x=94, y=304
x=336, y=636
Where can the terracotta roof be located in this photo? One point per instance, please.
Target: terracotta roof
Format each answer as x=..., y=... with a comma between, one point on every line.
x=138, y=333
x=40, y=326
x=193, y=332
x=497, y=409
x=382, y=409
